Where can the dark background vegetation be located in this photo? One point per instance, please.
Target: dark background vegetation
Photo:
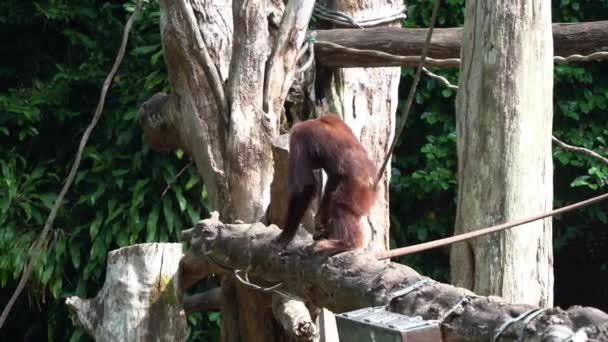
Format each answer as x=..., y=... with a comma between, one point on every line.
x=55, y=54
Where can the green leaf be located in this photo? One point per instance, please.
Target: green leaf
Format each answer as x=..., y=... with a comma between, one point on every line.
x=46, y=274
x=585, y=107
x=48, y=199
x=101, y=188
x=146, y=49
x=27, y=209
x=193, y=214
x=5, y=202
x=422, y=234
x=76, y=335
x=114, y=212
x=98, y=250
x=429, y=117
x=94, y=228
x=152, y=225
x=168, y=214
x=59, y=247
x=601, y=215
x=214, y=317
x=151, y=235
x=192, y=182
x=180, y=199
x=164, y=237
x=152, y=221
x=600, y=101
x=122, y=238
x=55, y=287
x=156, y=57
x=580, y=181
x=75, y=253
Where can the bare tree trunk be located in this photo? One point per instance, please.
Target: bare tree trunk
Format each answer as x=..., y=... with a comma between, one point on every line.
x=230, y=64
x=367, y=100
x=140, y=299
x=504, y=122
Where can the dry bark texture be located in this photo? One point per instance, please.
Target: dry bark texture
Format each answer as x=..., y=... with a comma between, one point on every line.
x=354, y=280
x=217, y=55
x=195, y=118
x=140, y=299
x=367, y=100
x=569, y=39
x=504, y=122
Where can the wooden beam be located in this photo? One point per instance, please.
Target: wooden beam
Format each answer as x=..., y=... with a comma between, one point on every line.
x=568, y=39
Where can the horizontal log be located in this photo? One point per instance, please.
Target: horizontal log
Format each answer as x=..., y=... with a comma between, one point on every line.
x=354, y=280
x=569, y=39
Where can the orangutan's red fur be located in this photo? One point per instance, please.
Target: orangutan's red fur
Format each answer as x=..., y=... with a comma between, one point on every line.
x=328, y=143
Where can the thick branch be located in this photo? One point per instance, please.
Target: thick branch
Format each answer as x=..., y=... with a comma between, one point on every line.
x=294, y=318
x=195, y=107
x=355, y=280
x=248, y=153
x=569, y=39
x=283, y=58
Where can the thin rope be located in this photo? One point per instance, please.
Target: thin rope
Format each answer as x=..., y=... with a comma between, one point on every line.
x=410, y=98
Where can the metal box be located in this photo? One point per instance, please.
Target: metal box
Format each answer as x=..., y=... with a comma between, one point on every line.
x=378, y=325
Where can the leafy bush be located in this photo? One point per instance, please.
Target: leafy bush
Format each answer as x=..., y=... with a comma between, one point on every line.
x=59, y=56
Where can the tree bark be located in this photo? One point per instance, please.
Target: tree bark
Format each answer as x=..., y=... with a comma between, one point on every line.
x=569, y=39
x=367, y=101
x=353, y=280
x=504, y=122
x=230, y=64
x=140, y=299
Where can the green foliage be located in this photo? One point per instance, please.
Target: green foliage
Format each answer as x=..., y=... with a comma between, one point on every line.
x=423, y=184
x=55, y=57
x=59, y=54
x=423, y=175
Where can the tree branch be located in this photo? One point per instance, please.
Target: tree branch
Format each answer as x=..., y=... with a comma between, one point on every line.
x=294, y=318
x=578, y=149
x=354, y=280
x=569, y=39
x=283, y=59
x=205, y=60
x=193, y=110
